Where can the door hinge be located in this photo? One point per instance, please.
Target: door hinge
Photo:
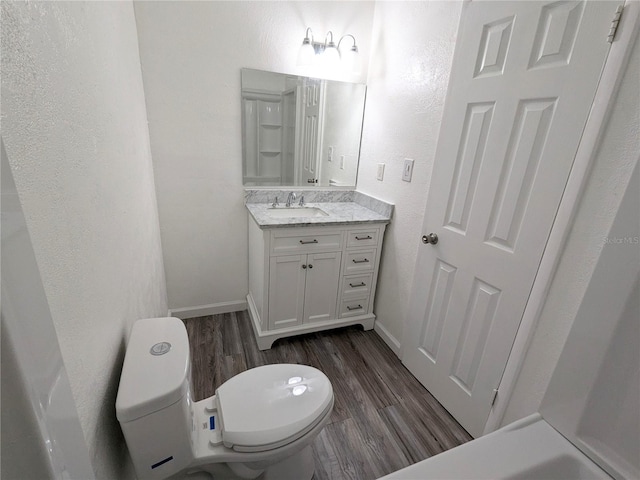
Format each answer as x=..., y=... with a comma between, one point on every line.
x=614, y=24
x=495, y=396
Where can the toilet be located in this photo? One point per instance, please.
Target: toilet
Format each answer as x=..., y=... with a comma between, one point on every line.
x=260, y=423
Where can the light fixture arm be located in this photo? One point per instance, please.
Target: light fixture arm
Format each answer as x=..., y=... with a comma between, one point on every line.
x=330, y=44
x=306, y=36
x=354, y=47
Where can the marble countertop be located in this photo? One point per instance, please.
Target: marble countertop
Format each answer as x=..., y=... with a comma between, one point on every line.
x=339, y=213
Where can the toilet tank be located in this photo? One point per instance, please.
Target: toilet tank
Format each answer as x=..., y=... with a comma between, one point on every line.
x=153, y=405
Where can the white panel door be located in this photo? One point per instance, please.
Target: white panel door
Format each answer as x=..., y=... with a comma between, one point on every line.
x=311, y=131
x=289, y=100
x=523, y=81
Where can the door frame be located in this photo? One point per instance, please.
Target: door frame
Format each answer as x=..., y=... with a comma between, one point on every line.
x=606, y=91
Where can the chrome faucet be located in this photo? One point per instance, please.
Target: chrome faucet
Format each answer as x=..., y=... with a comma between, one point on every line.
x=290, y=198
x=275, y=203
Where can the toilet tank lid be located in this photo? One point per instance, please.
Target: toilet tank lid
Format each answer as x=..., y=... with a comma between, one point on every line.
x=155, y=373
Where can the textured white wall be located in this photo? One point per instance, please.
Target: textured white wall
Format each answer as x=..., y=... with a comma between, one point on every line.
x=618, y=153
x=75, y=130
x=191, y=54
x=413, y=45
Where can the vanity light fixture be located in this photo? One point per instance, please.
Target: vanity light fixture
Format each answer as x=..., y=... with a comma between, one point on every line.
x=328, y=54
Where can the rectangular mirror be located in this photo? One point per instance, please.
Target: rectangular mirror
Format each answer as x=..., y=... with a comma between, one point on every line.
x=300, y=131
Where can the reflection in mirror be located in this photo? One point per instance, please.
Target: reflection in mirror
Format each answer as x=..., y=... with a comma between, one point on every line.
x=300, y=131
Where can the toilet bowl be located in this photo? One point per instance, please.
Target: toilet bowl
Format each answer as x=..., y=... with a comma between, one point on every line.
x=259, y=423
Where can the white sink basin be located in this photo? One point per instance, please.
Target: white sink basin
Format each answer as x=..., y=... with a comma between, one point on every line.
x=296, y=212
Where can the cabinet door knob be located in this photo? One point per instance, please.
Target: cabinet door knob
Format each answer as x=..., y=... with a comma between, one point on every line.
x=304, y=267
x=310, y=266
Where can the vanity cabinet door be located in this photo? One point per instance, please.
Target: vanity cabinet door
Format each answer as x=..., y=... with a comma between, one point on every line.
x=321, y=288
x=286, y=290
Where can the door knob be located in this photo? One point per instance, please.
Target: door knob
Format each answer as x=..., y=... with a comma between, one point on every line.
x=432, y=238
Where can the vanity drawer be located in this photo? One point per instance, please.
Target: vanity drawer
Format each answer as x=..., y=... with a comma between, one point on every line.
x=362, y=238
x=288, y=241
x=357, y=285
x=350, y=307
x=360, y=261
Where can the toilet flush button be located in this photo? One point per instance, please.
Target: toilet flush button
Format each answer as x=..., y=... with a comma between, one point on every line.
x=160, y=348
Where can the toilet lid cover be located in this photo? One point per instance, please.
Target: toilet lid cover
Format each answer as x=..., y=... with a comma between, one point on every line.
x=268, y=404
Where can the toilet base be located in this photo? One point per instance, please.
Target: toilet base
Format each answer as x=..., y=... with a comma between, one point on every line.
x=296, y=467
x=299, y=466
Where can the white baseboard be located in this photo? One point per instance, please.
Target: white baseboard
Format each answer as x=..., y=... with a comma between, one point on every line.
x=211, y=309
x=389, y=339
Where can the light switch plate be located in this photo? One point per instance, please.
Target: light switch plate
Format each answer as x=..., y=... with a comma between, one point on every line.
x=380, y=173
x=407, y=171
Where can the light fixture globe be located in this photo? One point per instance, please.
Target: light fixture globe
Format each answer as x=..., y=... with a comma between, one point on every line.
x=307, y=53
x=351, y=61
x=331, y=55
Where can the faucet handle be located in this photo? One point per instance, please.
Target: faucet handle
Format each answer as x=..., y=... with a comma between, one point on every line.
x=275, y=203
x=301, y=201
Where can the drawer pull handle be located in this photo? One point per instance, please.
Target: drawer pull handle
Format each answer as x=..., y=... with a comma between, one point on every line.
x=354, y=285
x=368, y=237
x=359, y=307
x=303, y=242
x=366, y=260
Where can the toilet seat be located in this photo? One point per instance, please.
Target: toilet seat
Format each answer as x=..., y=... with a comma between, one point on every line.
x=269, y=406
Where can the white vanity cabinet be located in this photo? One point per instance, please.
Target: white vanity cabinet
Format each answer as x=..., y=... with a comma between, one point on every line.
x=308, y=278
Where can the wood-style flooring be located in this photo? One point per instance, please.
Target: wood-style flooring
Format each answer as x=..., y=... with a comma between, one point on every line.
x=383, y=418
